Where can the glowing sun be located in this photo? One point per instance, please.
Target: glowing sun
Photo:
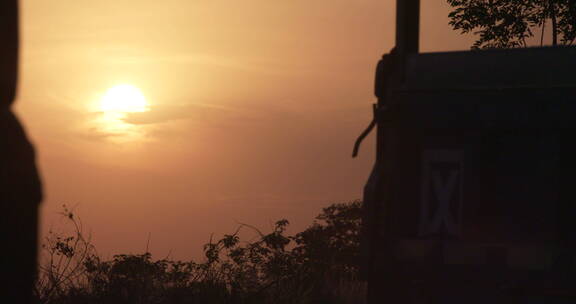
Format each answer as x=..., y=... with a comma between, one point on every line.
x=123, y=98
x=114, y=109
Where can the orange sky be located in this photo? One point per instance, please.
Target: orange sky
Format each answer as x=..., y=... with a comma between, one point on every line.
x=254, y=107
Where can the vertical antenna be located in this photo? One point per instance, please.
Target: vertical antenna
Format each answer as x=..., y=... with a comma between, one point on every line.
x=407, y=26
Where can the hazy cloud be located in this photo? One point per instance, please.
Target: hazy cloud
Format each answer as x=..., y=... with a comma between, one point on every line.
x=197, y=111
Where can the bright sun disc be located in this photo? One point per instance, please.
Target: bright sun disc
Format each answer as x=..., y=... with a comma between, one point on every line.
x=123, y=98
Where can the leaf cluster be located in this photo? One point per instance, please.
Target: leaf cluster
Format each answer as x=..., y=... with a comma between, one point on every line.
x=511, y=23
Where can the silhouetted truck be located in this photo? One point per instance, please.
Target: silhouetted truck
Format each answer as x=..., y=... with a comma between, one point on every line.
x=472, y=198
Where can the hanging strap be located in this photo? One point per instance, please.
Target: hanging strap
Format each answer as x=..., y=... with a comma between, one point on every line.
x=367, y=131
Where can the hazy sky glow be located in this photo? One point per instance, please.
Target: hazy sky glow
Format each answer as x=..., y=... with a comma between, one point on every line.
x=253, y=109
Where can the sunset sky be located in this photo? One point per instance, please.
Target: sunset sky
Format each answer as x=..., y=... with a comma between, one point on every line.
x=252, y=110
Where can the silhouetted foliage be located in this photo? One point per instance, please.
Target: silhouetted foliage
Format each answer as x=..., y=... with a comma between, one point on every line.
x=334, y=241
x=317, y=265
x=509, y=23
